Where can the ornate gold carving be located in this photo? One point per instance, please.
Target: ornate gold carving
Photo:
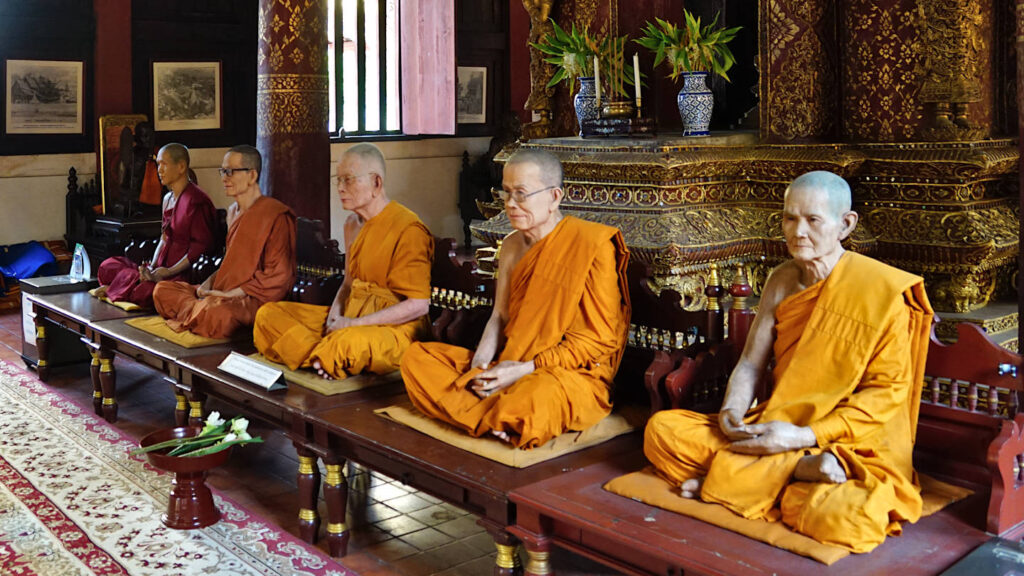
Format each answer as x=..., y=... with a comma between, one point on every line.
x=337, y=528
x=540, y=99
x=798, y=86
x=106, y=365
x=307, y=515
x=196, y=410
x=97, y=394
x=951, y=46
x=109, y=402
x=182, y=403
x=292, y=103
x=879, y=78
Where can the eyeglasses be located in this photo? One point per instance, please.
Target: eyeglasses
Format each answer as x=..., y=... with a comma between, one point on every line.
x=229, y=172
x=516, y=195
x=348, y=180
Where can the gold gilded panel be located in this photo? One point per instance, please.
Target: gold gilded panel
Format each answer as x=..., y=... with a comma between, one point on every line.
x=292, y=103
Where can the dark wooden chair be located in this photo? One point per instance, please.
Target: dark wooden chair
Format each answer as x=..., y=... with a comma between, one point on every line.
x=461, y=298
x=321, y=265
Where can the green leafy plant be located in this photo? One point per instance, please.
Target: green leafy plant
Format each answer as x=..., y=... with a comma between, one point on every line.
x=690, y=48
x=573, y=51
x=215, y=436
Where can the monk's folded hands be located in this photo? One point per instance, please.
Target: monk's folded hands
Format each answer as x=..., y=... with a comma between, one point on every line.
x=500, y=376
x=731, y=423
x=774, y=437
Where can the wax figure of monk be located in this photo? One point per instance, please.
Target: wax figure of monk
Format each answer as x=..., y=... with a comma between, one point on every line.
x=829, y=452
x=187, y=233
x=258, y=265
x=547, y=356
x=381, y=306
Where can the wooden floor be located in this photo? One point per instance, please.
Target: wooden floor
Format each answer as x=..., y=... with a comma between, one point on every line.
x=395, y=530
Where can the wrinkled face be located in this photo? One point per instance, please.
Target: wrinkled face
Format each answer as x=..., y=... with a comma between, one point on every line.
x=810, y=225
x=534, y=211
x=168, y=170
x=241, y=178
x=357, y=183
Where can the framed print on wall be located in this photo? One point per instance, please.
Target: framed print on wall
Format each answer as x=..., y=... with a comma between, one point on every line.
x=44, y=96
x=186, y=96
x=471, y=95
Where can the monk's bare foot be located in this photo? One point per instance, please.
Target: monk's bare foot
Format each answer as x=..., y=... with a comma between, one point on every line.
x=691, y=488
x=823, y=467
x=501, y=435
x=320, y=370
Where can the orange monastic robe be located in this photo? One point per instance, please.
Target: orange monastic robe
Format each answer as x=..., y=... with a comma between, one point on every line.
x=260, y=259
x=850, y=355
x=569, y=313
x=389, y=260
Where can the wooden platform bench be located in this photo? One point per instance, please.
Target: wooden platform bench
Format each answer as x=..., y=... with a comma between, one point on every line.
x=341, y=428
x=969, y=433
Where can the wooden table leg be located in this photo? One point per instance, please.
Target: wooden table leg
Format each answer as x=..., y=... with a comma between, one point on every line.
x=507, y=562
x=336, y=495
x=97, y=389
x=195, y=412
x=537, y=554
x=309, y=491
x=108, y=385
x=43, y=349
x=180, y=406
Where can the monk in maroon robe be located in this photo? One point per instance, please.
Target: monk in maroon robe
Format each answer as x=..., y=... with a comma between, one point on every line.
x=187, y=233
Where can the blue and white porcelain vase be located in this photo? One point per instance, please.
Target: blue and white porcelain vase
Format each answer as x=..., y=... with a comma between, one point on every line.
x=695, y=102
x=585, y=102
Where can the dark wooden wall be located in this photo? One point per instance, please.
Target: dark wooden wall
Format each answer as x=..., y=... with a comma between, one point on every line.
x=48, y=30
x=481, y=39
x=200, y=30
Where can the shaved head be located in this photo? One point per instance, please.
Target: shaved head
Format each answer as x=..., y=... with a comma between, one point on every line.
x=549, y=168
x=840, y=199
x=370, y=156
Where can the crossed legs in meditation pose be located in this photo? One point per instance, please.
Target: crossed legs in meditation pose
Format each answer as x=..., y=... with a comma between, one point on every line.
x=829, y=453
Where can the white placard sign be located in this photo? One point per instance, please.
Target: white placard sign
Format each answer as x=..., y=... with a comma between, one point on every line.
x=252, y=371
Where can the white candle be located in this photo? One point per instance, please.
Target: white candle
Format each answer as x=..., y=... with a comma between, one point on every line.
x=597, y=81
x=636, y=78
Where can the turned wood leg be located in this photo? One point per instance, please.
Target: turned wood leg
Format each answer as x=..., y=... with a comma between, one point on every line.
x=507, y=562
x=97, y=389
x=336, y=495
x=108, y=385
x=309, y=490
x=180, y=407
x=195, y=412
x=43, y=348
x=537, y=554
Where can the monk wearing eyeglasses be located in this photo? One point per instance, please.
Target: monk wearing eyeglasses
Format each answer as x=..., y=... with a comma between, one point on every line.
x=381, y=307
x=258, y=265
x=545, y=362
x=830, y=452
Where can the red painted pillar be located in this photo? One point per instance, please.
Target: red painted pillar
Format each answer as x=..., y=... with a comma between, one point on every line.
x=292, y=107
x=113, y=59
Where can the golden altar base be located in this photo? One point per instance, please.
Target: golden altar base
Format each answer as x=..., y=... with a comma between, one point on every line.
x=947, y=211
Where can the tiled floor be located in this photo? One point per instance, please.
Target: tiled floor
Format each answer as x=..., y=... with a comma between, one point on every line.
x=395, y=529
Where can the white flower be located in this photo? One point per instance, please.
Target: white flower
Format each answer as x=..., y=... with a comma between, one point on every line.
x=239, y=426
x=229, y=438
x=212, y=422
x=244, y=436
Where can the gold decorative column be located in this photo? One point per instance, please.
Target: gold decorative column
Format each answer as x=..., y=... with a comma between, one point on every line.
x=540, y=100
x=292, y=105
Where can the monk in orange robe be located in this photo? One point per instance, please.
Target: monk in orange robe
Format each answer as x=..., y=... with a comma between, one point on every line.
x=830, y=452
x=548, y=354
x=187, y=233
x=381, y=307
x=258, y=266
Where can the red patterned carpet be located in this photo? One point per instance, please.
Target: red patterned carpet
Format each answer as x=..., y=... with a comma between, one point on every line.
x=73, y=502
